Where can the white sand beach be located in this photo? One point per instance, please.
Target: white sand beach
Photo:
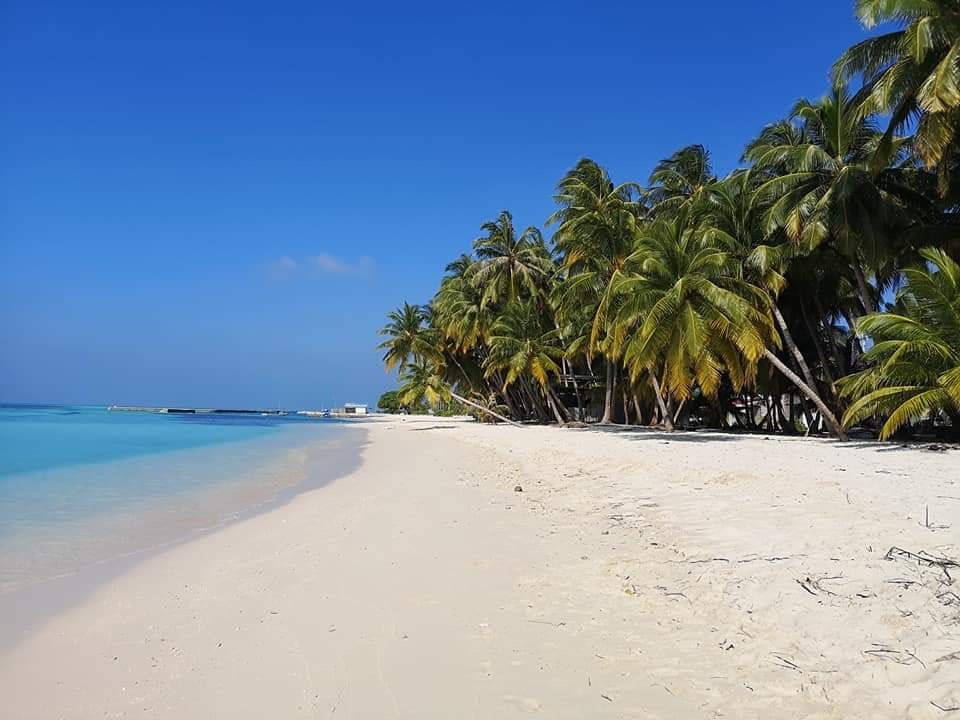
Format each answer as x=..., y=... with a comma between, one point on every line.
x=637, y=575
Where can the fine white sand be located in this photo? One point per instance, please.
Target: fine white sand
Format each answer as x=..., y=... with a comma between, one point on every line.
x=637, y=575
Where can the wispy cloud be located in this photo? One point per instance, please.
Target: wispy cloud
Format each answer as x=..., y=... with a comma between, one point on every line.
x=324, y=262
x=281, y=268
x=286, y=266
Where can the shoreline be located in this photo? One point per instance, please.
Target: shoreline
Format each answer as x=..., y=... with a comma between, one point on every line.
x=636, y=574
x=25, y=606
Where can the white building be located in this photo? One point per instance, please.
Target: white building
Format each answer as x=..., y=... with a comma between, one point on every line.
x=354, y=409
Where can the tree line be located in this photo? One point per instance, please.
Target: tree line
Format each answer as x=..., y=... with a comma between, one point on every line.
x=814, y=288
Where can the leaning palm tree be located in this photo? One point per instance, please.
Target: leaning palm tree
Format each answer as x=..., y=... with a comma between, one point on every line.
x=912, y=72
x=914, y=363
x=422, y=380
x=733, y=217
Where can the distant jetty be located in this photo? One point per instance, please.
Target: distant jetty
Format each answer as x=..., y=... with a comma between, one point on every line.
x=193, y=411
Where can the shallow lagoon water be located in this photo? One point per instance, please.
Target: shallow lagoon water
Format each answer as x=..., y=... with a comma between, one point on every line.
x=83, y=485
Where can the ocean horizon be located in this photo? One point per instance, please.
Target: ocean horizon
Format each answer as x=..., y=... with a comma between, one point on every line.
x=81, y=485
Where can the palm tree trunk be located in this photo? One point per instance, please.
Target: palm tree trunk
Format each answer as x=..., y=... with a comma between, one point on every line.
x=792, y=347
x=864, y=287
x=808, y=391
x=608, y=399
x=828, y=337
x=664, y=413
x=676, y=415
x=576, y=389
x=538, y=404
x=821, y=354
x=555, y=404
x=460, y=398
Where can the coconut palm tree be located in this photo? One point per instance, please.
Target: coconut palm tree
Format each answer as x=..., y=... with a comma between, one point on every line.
x=597, y=225
x=733, y=217
x=408, y=337
x=509, y=265
x=697, y=315
x=682, y=180
x=693, y=315
x=421, y=380
x=821, y=187
x=459, y=310
x=524, y=344
x=911, y=73
x=914, y=364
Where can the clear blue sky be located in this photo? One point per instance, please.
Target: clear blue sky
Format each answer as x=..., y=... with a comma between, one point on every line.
x=217, y=203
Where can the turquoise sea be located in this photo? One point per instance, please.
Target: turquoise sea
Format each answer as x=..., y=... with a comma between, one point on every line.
x=83, y=485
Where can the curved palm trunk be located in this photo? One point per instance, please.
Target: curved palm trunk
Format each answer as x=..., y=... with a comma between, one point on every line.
x=808, y=391
x=460, y=398
x=792, y=347
x=664, y=412
x=552, y=402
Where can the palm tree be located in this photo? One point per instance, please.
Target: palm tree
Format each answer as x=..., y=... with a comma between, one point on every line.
x=733, y=217
x=692, y=315
x=912, y=72
x=682, y=180
x=459, y=310
x=510, y=265
x=697, y=315
x=523, y=345
x=597, y=226
x=822, y=188
x=915, y=360
x=408, y=336
x=422, y=380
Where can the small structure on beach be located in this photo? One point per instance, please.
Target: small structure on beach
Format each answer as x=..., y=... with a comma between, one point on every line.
x=354, y=409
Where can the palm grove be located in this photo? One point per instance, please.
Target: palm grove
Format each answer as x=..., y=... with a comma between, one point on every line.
x=817, y=287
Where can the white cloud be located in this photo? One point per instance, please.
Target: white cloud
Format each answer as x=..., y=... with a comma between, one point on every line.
x=326, y=263
x=285, y=266
x=329, y=263
x=281, y=267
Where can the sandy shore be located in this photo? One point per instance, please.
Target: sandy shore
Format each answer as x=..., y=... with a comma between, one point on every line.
x=637, y=575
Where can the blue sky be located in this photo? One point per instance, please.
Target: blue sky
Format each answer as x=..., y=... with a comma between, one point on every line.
x=217, y=203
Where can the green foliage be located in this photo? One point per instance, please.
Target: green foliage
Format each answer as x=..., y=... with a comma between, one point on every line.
x=914, y=367
x=693, y=314
x=701, y=289
x=912, y=73
x=390, y=402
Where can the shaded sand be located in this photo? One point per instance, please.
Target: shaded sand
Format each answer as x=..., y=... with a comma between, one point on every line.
x=638, y=575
